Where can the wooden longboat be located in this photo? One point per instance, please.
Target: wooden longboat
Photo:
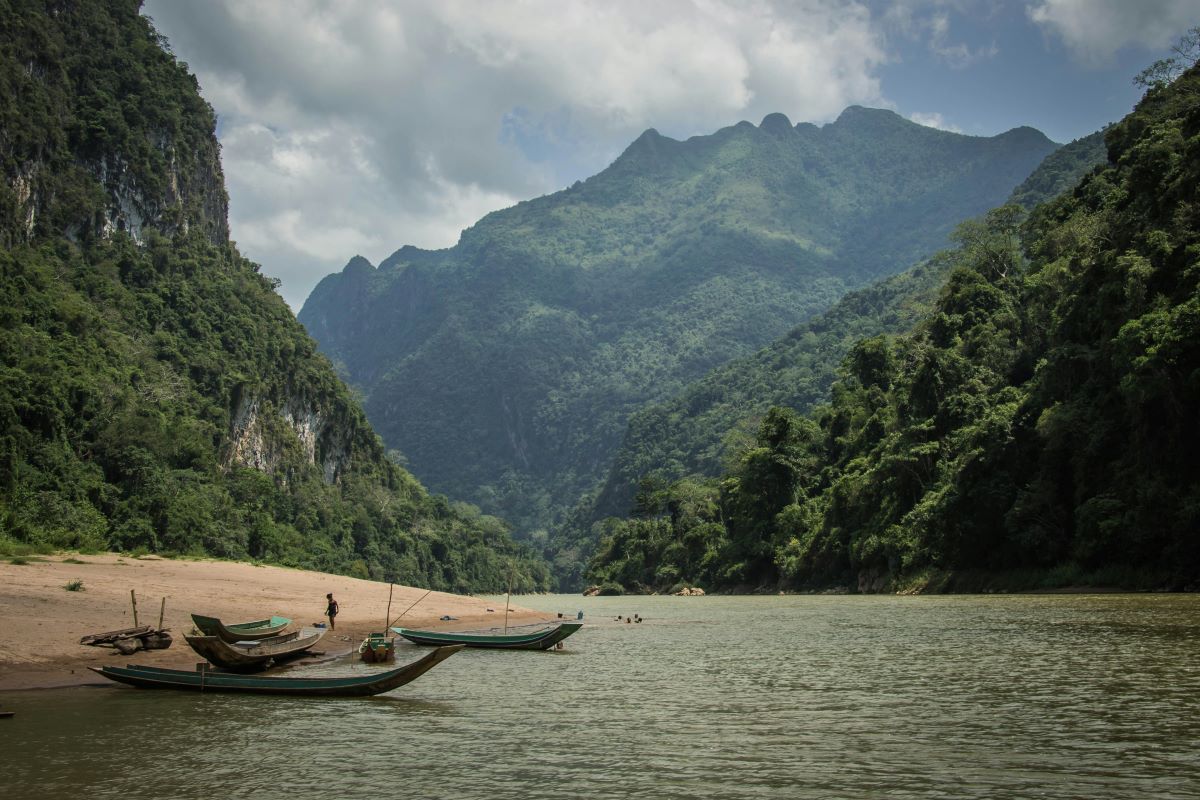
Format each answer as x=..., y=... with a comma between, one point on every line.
x=322, y=686
x=253, y=655
x=542, y=639
x=241, y=631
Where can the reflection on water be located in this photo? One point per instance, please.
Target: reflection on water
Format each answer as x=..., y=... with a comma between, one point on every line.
x=747, y=697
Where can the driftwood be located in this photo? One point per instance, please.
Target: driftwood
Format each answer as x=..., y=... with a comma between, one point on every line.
x=109, y=637
x=140, y=637
x=130, y=640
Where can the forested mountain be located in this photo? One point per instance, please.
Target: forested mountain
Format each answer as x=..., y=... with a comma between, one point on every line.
x=705, y=426
x=1061, y=170
x=155, y=392
x=505, y=368
x=1036, y=428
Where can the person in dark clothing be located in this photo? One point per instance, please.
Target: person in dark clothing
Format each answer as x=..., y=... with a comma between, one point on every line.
x=331, y=610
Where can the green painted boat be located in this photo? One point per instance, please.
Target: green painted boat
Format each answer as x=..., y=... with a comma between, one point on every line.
x=241, y=631
x=209, y=681
x=256, y=654
x=542, y=639
x=378, y=648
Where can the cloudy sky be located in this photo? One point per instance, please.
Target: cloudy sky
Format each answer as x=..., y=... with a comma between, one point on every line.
x=357, y=126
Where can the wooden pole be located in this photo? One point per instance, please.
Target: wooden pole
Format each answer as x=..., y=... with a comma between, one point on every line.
x=410, y=608
x=508, y=597
x=133, y=599
x=388, y=615
x=162, y=610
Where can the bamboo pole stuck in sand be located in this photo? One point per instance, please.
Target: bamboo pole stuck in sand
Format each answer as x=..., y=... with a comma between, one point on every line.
x=161, y=611
x=388, y=615
x=507, y=597
x=133, y=599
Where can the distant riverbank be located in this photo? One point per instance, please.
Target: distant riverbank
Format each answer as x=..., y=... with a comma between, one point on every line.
x=1061, y=579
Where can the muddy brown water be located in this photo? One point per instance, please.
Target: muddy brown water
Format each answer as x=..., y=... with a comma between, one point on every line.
x=1058, y=696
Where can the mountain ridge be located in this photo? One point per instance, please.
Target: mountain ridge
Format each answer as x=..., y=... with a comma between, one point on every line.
x=894, y=302
x=526, y=345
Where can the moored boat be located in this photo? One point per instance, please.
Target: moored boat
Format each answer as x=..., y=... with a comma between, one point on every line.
x=317, y=686
x=542, y=639
x=241, y=631
x=378, y=648
x=254, y=655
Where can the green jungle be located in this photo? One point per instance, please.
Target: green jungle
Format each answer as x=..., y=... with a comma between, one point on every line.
x=158, y=395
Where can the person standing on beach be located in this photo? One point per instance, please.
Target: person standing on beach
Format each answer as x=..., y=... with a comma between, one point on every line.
x=331, y=610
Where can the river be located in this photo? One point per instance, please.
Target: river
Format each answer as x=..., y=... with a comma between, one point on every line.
x=1000, y=696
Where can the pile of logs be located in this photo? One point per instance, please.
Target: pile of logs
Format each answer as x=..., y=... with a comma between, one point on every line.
x=139, y=637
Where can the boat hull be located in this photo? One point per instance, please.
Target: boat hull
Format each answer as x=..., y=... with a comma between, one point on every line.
x=209, y=681
x=241, y=631
x=538, y=640
x=253, y=655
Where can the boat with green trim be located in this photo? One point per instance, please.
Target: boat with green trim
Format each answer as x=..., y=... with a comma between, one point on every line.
x=317, y=686
x=542, y=639
x=378, y=648
x=254, y=655
x=241, y=631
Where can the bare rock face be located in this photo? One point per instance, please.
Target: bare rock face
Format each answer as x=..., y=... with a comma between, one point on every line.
x=195, y=198
x=873, y=582
x=152, y=163
x=262, y=431
x=694, y=591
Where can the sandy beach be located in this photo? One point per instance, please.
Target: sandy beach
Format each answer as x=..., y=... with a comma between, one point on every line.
x=41, y=622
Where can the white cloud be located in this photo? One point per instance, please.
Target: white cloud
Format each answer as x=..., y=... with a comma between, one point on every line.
x=957, y=55
x=1095, y=30
x=359, y=126
x=933, y=120
x=330, y=241
x=929, y=21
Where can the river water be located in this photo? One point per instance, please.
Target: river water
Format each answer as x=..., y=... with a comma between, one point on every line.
x=1061, y=696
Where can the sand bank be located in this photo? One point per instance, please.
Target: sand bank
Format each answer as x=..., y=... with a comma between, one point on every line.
x=41, y=622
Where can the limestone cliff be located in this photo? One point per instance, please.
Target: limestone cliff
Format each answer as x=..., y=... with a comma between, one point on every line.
x=96, y=141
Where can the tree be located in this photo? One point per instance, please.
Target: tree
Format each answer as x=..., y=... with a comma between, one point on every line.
x=1166, y=70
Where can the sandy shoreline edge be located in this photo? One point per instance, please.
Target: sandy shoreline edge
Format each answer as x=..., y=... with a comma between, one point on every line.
x=41, y=622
